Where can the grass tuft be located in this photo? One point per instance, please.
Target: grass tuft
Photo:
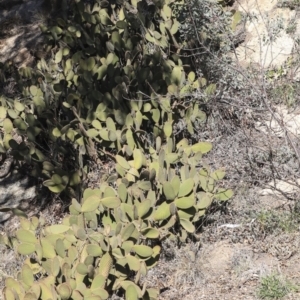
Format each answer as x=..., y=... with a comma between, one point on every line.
x=274, y=286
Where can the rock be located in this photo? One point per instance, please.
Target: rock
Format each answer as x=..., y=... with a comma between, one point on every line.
x=280, y=187
x=267, y=43
x=290, y=121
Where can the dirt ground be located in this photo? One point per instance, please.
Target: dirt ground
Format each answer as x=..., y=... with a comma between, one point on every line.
x=242, y=254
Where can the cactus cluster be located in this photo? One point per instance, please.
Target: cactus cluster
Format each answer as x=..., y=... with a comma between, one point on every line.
x=116, y=87
x=79, y=260
x=104, y=244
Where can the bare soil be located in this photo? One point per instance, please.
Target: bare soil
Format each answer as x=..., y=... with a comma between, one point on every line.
x=235, y=252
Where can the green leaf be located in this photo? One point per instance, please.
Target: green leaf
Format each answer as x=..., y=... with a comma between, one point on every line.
x=58, y=56
x=94, y=250
x=57, y=179
x=110, y=124
x=104, y=134
x=90, y=63
x=101, y=71
x=169, y=191
x=186, y=213
x=75, y=178
x=91, y=203
x=142, y=250
x=187, y=225
x=47, y=248
x=127, y=231
x=53, y=187
x=149, y=38
x=97, y=124
x=18, y=212
x=112, y=136
x=138, y=157
x=98, y=282
x=144, y=185
x=66, y=51
x=3, y=112
x=131, y=293
x=144, y=208
x=162, y=212
x=20, y=124
x=167, y=11
x=111, y=202
x=57, y=30
x=210, y=90
x=12, y=283
x=56, y=132
x=121, y=24
x=32, y=132
x=152, y=293
x=13, y=113
x=64, y=290
x=175, y=27
x=236, y=18
x=171, y=158
x=122, y=162
x=175, y=182
x=26, y=248
x=186, y=187
x=116, y=40
x=151, y=233
x=218, y=174
x=204, y=200
x=122, y=191
x=185, y=202
x=202, y=147
x=168, y=128
x=26, y=236
x=27, y=275
x=76, y=205
x=191, y=77
x=82, y=269
x=133, y=262
x=60, y=248
x=57, y=229
x=33, y=90
x=155, y=115
x=8, y=126
x=224, y=194
x=176, y=75
x=105, y=264
x=92, y=133
x=19, y=106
